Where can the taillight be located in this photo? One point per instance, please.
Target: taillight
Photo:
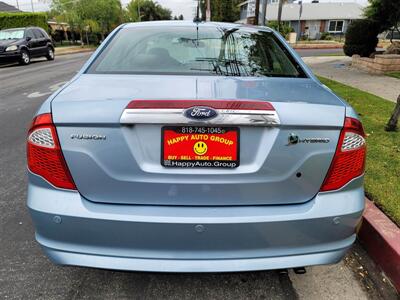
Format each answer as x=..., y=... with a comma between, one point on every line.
x=44, y=153
x=349, y=160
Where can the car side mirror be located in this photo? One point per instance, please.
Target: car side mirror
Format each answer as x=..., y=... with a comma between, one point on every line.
x=28, y=38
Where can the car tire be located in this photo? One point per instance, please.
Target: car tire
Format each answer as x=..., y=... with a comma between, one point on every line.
x=50, y=53
x=25, y=57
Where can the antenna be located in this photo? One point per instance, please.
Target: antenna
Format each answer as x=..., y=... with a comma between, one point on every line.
x=197, y=18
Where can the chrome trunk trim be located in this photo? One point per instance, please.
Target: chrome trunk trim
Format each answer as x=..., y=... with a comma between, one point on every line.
x=224, y=117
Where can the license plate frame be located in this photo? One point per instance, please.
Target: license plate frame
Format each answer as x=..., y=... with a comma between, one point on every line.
x=228, y=135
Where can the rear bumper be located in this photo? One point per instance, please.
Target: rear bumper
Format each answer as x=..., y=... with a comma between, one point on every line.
x=74, y=231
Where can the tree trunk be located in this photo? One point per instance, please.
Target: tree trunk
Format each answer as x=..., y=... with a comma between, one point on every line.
x=87, y=38
x=257, y=12
x=394, y=119
x=280, y=14
x=81, y=34
x=264, y=13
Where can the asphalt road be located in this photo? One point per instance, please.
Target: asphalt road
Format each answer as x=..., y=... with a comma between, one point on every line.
x=25, y=273
x=319, y=52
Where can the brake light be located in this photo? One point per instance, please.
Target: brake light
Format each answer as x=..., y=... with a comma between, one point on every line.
x=217, y=104
x=44, y=153
x=349, y=160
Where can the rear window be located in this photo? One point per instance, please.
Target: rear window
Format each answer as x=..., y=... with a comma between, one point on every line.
x=196, y=51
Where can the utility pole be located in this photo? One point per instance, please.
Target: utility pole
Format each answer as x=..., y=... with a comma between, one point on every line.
x=17, y=4
x=257, y=12
x=208, y=11
x=32, y=6
x=264, y=12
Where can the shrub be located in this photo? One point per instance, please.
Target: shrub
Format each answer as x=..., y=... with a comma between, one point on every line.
x=15, y=20
x=325, y=36
x=284, y=29
x=361, y=38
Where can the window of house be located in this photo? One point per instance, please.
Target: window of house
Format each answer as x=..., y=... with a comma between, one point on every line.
x=336, y=26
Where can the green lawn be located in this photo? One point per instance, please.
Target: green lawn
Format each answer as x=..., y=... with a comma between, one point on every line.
x=382, y=180
x=393, y=74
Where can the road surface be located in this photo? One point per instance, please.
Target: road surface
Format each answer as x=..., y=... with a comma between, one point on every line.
x=319, y=52
x=25, y=273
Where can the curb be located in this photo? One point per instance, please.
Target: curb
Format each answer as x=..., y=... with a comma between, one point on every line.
x=74, y=52
x=381, y=238
x=316, y=47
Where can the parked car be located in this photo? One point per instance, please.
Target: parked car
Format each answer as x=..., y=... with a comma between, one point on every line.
x=392, y=35
x=195, y=147
x=22, y=44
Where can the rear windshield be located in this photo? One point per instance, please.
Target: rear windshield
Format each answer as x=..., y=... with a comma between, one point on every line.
x=196, y=51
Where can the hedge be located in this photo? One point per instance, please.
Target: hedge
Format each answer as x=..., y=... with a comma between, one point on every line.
x=15, y=20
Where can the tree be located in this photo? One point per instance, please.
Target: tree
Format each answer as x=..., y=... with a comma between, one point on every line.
x=361, y=38
x=284, y=29
x=100, y=16
x=147, y=10
x=178, y=18
x=280, y=7
x=394, y=119
x=221, y=10
x=386, y=13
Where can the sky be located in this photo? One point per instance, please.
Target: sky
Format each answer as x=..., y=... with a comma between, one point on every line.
x=184, y=7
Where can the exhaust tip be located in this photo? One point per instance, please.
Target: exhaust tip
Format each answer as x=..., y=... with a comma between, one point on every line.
x=282, y=271
x=300, y=270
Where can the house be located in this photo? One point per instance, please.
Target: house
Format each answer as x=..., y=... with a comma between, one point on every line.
x=4, y=7
x=315, y=18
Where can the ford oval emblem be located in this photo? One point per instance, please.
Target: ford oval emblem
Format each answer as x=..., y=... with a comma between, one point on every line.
x=200, y=113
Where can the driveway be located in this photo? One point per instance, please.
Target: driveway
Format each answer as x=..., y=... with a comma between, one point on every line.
x=339, y=69
x=25, y=273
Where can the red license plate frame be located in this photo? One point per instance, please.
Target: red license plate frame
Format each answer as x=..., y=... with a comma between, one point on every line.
x=200, y=147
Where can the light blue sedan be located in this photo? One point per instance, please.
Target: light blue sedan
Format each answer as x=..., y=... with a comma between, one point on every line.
x=195, y=147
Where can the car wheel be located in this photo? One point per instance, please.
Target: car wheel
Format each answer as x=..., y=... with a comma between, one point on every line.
x=25, y=58
x=50, y=53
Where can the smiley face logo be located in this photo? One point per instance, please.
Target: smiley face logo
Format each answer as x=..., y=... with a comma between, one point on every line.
x=200, y=148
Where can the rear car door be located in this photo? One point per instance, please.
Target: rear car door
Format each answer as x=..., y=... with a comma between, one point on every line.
x=41, y=41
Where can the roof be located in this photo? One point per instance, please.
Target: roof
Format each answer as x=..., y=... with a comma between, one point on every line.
x=4, y=7
x=317, y=11
x=186, y=23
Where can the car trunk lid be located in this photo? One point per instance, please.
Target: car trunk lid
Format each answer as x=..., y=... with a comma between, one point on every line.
x=115, y=160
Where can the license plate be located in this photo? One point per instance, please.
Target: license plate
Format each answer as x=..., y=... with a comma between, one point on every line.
x=200, y=147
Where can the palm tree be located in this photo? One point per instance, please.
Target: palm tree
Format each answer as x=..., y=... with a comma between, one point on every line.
x=281, y=2
x=264, y=12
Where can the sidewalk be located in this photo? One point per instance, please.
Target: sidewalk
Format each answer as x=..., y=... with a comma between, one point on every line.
x=338, y=68
x=72, y=50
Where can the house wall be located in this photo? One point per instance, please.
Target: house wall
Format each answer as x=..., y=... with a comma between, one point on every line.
x=322, y=26
x=243, y=12
x=295, y=26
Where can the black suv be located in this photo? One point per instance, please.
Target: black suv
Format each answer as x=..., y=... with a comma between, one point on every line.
x=21, y=44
